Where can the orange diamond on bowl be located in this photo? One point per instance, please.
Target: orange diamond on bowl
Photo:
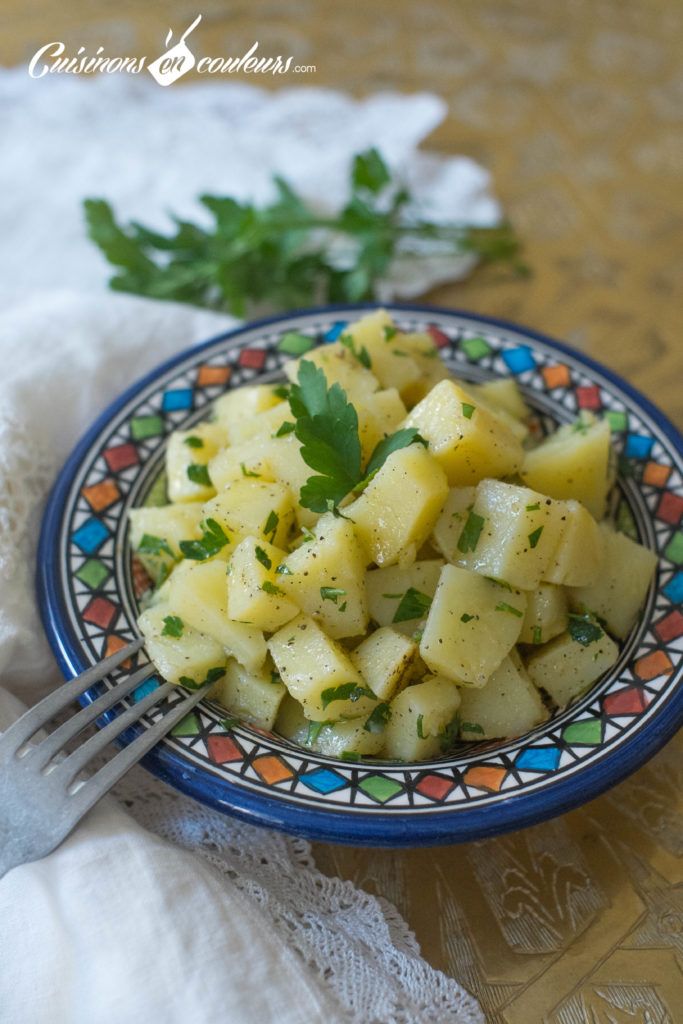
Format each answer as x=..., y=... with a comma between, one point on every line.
x=485, y=777
x=272, y=769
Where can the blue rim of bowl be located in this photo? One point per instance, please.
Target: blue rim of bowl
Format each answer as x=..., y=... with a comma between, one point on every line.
x=379, y=829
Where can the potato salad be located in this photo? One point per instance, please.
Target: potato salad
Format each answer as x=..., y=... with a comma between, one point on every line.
x=374, y=559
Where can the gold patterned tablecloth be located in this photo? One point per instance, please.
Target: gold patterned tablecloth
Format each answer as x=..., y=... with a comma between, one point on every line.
x=577, y=110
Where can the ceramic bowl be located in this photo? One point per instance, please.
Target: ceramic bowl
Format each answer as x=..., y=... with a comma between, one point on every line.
x=90, y=587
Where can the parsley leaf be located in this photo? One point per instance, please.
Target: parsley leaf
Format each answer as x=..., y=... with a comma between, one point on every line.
x=199, y=474
x=345, y=691
x=262, y=557
x=173, y=626
x=331, y=594
x=467, y=410
x=271, y=588
x=151, y=545
x=583, y=631
x=469, y=538
x=213, y=539
x=379, y=718
x=193, y=441
x=503, y=606
x=272, y=523
x=535, y=536
x=414, y=604
x=212, y=676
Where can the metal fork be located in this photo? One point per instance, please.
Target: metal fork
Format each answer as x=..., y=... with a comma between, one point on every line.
x=42, y=797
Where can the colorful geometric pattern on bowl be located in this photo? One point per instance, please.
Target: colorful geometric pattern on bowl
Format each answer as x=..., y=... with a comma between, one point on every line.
x=89, y=586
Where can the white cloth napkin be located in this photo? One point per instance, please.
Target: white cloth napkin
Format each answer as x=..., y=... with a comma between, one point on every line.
x=170, y=912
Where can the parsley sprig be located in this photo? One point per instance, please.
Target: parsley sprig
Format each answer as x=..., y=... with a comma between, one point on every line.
x=327, y=427
x=286, y=254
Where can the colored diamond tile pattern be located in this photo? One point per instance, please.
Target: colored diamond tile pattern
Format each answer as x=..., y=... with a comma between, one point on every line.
x=253, y=759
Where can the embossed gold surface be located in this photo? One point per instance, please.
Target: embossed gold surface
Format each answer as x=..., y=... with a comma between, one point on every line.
x=577, y=109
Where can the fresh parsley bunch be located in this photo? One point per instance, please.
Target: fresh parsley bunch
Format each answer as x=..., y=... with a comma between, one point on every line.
x=285, y=255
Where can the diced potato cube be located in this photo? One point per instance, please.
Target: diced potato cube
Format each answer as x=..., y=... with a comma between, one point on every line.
x=341, y=738
x=253, y=588
x=471, y=626
x=546, y=615
x=385, y=659
x=386, y=589
x=182, y=654
x=155, y=534
x=244, y=403
x=340, y=366
x=566, y=667
x=253, y=695
x=252, y=460
x=577, y=561
x=254, y=508
x=187, y=455
x=378, y=417
x=574, y=462
x=502, y=395
x=198, y=593
x=468, y=441
x=619, y=593
x=325, y=578
x=420, y=719
x=393, y=531
x=450, y=524
x=292, y=723
x=262, y=426
x=291, y=470
x=513, y=533
x=319, y=673
x=507, y=705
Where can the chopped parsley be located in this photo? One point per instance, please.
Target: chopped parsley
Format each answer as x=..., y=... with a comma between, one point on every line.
x=271, y=588
x=414, y=604
x=331, y=594
x=390, y=332
x=535, y=536
x=449, y=736
x=349, y=755
x=469, y=538
x=212, y=676
x=420, y=733
x=249, y=472
x=199, y=474
x=537, y=635
x=272, y=523
x=193, y=441
x=467, y=410
x=466, y=617
x=533, y=508
x=281, y=391
x=377, y=721
x=213, y=539
x=472, y=727
x=151, y=545
x=503, y=606
x=283, y=570
x=262, y=557
x=285, y=428
x=345, y=691
x=313, y=732
x=360, y=354
x=173, y=626
x=583, y=631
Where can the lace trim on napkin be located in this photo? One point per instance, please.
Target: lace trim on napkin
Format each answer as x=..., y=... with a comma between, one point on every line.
x=356, y=944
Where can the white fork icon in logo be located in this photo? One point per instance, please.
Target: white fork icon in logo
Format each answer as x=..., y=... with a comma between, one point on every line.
x=175, y=62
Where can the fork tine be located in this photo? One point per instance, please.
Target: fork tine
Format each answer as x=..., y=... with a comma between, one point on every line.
x=79, y=758
x=107, y=776
x=42, y=752
x=36, y=717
